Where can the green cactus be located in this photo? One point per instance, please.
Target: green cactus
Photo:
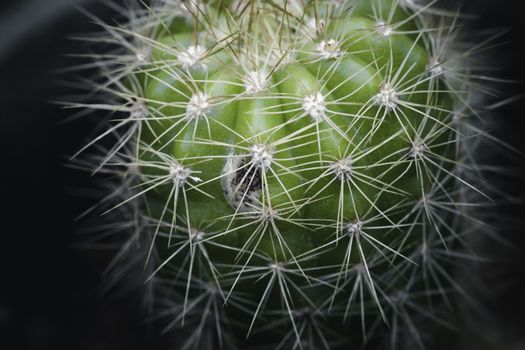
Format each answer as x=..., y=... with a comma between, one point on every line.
x=298, y=172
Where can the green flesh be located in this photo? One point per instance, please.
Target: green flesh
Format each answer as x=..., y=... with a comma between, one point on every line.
x=299, y=184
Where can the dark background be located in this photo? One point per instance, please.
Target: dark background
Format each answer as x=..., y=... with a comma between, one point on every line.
x=50, y=292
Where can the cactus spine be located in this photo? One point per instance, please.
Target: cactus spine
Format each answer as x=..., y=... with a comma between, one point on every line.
x=297, y=173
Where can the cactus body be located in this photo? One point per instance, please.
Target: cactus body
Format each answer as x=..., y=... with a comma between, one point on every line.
x=297, y=167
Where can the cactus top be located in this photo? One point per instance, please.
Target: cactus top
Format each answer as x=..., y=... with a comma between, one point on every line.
x=312, y=145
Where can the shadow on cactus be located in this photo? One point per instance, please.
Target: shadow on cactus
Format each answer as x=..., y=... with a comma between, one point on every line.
x=292, y=174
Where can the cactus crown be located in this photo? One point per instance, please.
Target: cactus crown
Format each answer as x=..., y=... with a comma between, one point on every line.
x=298, y=170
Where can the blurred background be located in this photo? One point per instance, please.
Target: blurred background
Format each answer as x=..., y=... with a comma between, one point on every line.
x=50, y=292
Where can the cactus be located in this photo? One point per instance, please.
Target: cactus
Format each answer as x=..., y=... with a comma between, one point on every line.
x=294, y=174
